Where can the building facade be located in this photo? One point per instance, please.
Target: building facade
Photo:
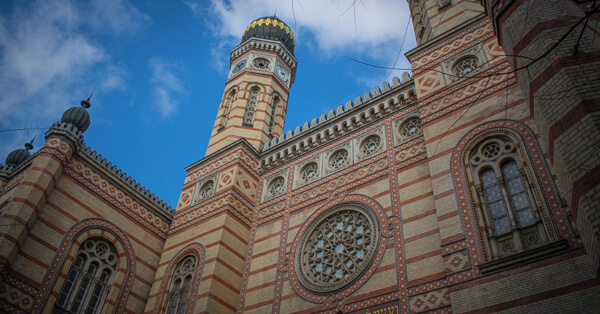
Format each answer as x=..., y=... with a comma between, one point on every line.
x=472, y=186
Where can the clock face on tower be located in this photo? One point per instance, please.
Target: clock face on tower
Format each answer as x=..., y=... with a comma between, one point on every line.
x=282, y=73
x=239, y=66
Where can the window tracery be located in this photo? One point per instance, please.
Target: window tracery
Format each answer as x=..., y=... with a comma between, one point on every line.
x=276, y=187
x=310, y=172
x=261, y=63
x=512, y=219
x=410, y=128
x=370, y=145
x=336, y=248
x=465, y=66
x=338, y=159
x=178, y=296
x=206, y=190
x=89, y=278
x=273, y=115
x=251, y=107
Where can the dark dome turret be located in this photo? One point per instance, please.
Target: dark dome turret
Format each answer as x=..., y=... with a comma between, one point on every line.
x=271, y=28
x=17, y=156
x=78, y=116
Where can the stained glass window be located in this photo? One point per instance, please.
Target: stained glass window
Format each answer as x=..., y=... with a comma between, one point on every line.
x=88, y=279
x=337, y=247
x=177, y=298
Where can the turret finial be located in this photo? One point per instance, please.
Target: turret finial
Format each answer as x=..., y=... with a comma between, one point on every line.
x=29, y=146
x=86, y=103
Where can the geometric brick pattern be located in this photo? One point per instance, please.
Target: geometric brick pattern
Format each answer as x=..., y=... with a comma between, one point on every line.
x=340, y=181
x=457, y=261
x=216, y=164
x=273, y=209
x=429, y=301
x=227, y=200
x=15, y=296
x=116, y=193
x=246, y=184
x=410, y=152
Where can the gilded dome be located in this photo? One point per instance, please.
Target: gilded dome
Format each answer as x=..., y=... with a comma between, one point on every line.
x=271, y=28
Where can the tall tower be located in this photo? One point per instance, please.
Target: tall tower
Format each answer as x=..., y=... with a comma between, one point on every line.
x=262, y=70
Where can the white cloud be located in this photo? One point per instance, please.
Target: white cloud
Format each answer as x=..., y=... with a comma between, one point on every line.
x=49, y=51
x=167, y=89
x=336, y=25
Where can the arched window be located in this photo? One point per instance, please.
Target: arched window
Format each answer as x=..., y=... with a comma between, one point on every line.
x=251, y=107
x=227, y=107
x=89, y=278
x=509, y=211
x=273, y=114
x=181, y=283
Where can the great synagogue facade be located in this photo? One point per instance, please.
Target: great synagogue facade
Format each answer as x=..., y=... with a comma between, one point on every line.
x=472, y=186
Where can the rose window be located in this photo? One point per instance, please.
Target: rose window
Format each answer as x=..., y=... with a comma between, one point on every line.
x=491, y=150
x=206, y=190
x=309, y=172
x=261, y=63
x=370, y=145
x=465, y=66
x=411, y=127
x=338, y=159
x=276, y=187
x=337, y=248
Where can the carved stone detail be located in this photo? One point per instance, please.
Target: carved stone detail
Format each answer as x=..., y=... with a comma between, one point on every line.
x=275, y=185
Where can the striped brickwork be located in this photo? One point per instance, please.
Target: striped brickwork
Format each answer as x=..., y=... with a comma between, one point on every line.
x=555, y=49
x=434, y=18
x=230, y=127
x=432, y=252
x=79, y=198
x=220, y=224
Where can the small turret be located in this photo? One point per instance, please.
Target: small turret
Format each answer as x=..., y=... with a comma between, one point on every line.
x=18, y=156
x=78, y=116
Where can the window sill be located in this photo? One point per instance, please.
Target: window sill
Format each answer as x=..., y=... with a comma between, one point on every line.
x=523, y=258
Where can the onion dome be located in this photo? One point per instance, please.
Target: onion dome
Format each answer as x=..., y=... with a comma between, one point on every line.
x=17, y=156
x=271, y=28
x=78, y=116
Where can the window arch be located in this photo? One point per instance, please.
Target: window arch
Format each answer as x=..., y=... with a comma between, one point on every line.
x=486, y=158
x=227, y=106
x=89, y=278
x=251, y=106
x=179, y=292
x=274, y=112
x=119, y=284
x=512, y=219
x=181, y=281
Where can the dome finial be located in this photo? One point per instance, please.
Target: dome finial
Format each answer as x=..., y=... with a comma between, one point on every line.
x=29, y=146
x=86, y=102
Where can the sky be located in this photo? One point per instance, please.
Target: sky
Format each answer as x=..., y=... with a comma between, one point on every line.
x=157, y=70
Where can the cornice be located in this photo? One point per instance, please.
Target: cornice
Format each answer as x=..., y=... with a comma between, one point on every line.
x=444, y=36
x=120, y=179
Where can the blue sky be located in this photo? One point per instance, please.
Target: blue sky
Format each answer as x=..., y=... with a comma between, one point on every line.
x=158, y=68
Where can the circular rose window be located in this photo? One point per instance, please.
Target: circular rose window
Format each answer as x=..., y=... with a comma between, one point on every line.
x=337, y=248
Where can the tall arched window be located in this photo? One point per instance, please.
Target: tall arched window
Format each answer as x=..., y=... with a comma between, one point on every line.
x=179, y=291
x=251, y=107
x=89, y=278
x=227, y=106
x=273, y=114
x=513, y=221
